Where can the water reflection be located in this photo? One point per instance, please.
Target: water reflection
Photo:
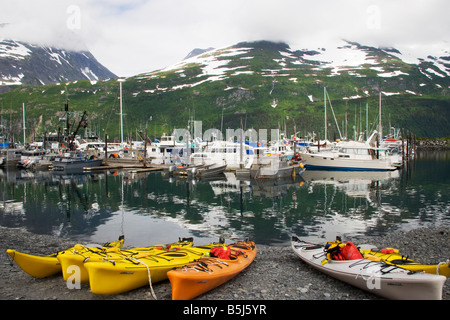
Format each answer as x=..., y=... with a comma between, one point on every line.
x=152, y=208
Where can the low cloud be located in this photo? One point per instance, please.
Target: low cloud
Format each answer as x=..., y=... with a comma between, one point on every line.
x=136, y=36
x=48, y=23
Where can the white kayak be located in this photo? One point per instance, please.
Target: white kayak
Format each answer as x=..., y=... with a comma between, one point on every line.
x=388, y=281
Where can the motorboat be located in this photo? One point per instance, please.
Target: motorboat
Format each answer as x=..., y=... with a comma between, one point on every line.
x=75, y=160
x=349, y=155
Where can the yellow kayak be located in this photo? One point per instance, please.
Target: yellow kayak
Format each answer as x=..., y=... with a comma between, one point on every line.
x=45, y=266
x=113, y=277
x=79, y=255
x=392, y=256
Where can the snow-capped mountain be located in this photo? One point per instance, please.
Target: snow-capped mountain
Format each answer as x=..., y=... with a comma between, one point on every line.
x=28, y=64
x=264, y=84
x=267, y=80
x=392, y=71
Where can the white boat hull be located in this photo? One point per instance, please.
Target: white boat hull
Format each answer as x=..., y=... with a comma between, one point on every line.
x=332, y=162
x=387, y=281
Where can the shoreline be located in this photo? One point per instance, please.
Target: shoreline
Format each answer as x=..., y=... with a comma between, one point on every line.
x=433, y=144
x=275, y=274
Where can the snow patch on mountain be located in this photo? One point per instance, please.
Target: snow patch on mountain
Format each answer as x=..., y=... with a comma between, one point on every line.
x=13, y=50
x=12, y=80
x=395, y=73
x=342, y=57
x=213, y=63
x=439, y=57
x=89, y=74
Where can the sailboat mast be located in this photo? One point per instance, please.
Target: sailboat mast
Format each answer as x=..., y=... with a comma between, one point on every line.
x=381, y=129
x=325, y=108
x=121, y=115
x=24, y=128
x=367, y=120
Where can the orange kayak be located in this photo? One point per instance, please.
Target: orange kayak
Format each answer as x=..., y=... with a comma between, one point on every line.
x=207, y=273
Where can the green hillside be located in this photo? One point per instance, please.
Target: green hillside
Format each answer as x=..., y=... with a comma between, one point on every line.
x=262, y=84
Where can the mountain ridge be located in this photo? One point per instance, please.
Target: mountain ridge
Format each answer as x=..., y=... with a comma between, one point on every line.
x=268, y=85
x=268, y=81
x=353, y=60
x=28, y=64
x=197, y=51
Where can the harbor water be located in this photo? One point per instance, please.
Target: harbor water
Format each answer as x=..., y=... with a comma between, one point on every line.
x=151, y=208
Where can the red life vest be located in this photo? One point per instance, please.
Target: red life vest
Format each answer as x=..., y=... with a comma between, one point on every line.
x=221, y=253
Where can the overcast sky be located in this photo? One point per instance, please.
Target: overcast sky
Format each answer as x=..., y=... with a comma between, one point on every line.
x=137, y=36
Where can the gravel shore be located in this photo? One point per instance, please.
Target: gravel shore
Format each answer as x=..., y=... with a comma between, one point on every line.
x=276, y=273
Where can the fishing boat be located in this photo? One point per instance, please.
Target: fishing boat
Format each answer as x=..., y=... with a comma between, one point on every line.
x=386, y=280
x=165, y=150
x=274, y=167
x=30, y=158
x=233, y=154
x=75, y=160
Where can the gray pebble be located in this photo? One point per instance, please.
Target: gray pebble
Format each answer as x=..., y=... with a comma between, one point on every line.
x=276, y=273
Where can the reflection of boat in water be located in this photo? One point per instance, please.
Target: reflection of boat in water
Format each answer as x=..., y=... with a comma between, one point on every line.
x=182, y=170
x=272, y=188
x=16, y=176
x=229, y=184
x=349, y=176
x=354, y=183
